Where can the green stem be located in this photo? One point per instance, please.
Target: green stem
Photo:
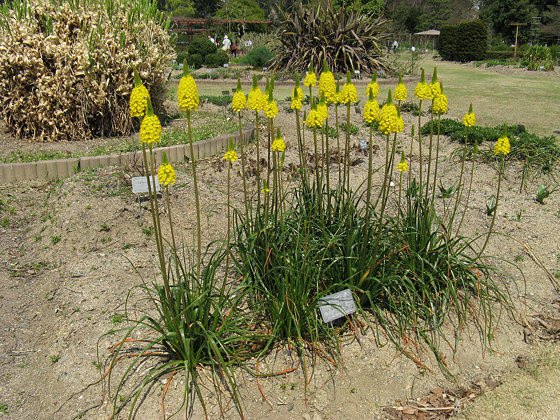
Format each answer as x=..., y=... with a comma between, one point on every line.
x=437, y=157
x=337, y=142
x=170, y=220
x=243, y=168
x=459, y=185
x=258, y=160
x=384, y=194
x=347, y=151
x=420, y=143
x=228, y=218
x=470, y=187
x=196, y=198
x=430, y=152
x=495, y=209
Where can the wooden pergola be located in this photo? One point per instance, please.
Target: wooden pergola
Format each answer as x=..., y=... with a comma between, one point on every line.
x=431, y=35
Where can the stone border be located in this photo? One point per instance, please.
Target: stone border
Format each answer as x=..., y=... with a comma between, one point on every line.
x=62, y=168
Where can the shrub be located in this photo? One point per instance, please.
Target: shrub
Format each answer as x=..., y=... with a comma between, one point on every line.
x=66, y=66
x=539, y=58
x=195, y=61
x=202, y=46
x=257, y=57
x=464, y=42
x=217, y=59
x=347, y=39
x=181, y=56
x=500, y=55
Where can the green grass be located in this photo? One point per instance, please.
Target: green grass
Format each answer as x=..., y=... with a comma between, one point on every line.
x=205, y=125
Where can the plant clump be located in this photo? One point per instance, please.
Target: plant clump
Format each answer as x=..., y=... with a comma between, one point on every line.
x=65, y=67
x=344, y=38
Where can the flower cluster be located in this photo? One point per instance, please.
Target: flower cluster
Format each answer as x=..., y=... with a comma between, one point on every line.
x=435, y=87
x=310, y=78
x=502, y=146
x=389, y=118
x=187, y=93
x=150, y=129
x=314, y=119
x=254, y=101
x=349, y=93
x=138, y=104
x=271, y=108
x=440, y=102
x=373, y=87
x=322, y=108
x=327, y=85
x=422, y=90
x=239, y=101
x=231, y=155
x=138, y=101
x=297, y=96
x=402, y=166
x=166, y=174
x=278, y=145
x=400, y=91
x=371, y=110
x=469, y=120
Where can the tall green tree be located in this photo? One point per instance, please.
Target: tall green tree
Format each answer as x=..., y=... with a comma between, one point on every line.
x=242, y=9
x=500, y=14
x=206, y=8
x=180, y=8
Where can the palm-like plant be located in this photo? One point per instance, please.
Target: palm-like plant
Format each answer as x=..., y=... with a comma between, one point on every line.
x=346, y=39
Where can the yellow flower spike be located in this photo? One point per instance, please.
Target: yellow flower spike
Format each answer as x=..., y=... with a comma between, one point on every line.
x=400, y=91
x=166, y=173
x=422, y=90
x=265, y=187
x=502, y=146
x=371, y=109
x=150, y=127
x=310, y=77
x=389, y=119
x=297, y=95
x=138, y=96
x=469, y=120
x=372, y=86
x=230, y=154
x=349, y=93
x=313, y=118
x=271, y=108
x=254, y=102
x=337, y=93
x=327, y=84
x=402, y=166
x=400, y=123
x=440, y=102
x=278, y=145
x=187, y=92
x=322, y=109
x=238, y=102
x=435, y=86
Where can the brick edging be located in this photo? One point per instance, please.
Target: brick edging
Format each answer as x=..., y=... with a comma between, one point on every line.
x=62, y=168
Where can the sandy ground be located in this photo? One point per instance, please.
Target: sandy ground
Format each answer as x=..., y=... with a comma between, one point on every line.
x=69, y=252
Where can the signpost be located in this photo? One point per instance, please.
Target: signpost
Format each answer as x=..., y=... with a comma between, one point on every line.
x=140, y=186
x=517, y=25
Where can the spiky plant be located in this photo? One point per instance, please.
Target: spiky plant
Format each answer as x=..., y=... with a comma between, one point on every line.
x=346, y=39
x=66, y=66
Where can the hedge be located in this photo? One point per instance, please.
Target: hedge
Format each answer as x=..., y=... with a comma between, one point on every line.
x=466, y=41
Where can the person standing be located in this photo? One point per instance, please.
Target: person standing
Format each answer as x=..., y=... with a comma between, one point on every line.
x=395, y=46
x=212, y=40
x=226, y=43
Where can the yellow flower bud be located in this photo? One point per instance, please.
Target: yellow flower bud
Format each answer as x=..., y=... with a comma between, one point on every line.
x=166, y=174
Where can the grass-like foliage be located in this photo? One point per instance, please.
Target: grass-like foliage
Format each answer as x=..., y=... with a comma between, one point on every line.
x=347, y=39
x=193, y=322
x=415, y=279
x=538, y=153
